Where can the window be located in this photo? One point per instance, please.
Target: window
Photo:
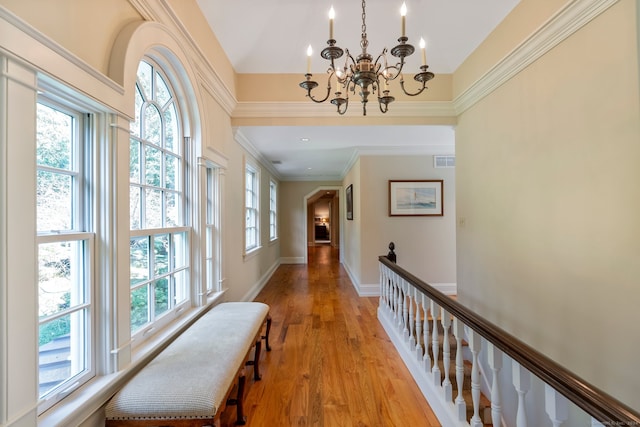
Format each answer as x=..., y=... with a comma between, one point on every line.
x=273, y=210
x=159, y=262
x=65, y=242
x=252, y=213
x=212, y=231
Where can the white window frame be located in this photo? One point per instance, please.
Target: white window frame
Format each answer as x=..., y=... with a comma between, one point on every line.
x=81, y=234
x=212, y=252
x=251, y=208
x=178, y=266
x=273, y=210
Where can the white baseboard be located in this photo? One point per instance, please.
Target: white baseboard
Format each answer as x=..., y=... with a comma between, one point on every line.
x=367, y=290
x=446, y=288
x=292, y=260
x=255, y=289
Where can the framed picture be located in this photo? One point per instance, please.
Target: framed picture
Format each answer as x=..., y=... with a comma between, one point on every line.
x=349, y=197
x=415, y=198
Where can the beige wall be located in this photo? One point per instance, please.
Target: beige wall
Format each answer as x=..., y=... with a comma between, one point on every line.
x=67, y=23
x=547, y=198
x=351, y=232
x=425, y=246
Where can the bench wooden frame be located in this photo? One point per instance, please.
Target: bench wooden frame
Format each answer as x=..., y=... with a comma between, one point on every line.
x=118, y=415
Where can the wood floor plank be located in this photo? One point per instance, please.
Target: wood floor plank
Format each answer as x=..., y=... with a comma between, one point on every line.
x=331, y=364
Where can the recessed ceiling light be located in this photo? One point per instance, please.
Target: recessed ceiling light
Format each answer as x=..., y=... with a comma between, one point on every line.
x=305, y=139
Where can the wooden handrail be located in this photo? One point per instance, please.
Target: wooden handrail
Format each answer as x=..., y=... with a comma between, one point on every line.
x=600, y=405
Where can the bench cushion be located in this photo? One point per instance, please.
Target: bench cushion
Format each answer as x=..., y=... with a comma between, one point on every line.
x=192, y=376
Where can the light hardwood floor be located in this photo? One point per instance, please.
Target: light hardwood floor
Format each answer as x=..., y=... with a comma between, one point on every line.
x=331, y=363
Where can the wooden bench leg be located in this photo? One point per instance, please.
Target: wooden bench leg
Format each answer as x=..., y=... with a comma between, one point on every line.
x=241, y=419
x=266, y=335
x=256, y=361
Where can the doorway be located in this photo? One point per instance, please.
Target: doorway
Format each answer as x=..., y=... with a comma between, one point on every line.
x=322, y=208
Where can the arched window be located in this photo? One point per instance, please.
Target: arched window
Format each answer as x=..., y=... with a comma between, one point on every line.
x=160, y=232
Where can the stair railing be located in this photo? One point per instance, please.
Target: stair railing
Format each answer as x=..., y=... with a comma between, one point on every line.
x=406, y=306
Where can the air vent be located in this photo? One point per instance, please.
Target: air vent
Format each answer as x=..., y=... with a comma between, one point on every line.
x=444, y=161
x=276, y=162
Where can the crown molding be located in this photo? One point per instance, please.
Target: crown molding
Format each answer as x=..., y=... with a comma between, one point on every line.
x=307, y=109
x=245, y=143
x=559, y=27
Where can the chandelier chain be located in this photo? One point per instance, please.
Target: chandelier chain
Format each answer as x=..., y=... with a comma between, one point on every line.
x=364, y=42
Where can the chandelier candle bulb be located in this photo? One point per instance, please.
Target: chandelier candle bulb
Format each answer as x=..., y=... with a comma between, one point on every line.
x=332, y=15
x=309, y=53
x=423, y=46
x=403, y=14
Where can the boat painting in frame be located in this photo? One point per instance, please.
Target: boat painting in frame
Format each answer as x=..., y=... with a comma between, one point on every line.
x=416, y=198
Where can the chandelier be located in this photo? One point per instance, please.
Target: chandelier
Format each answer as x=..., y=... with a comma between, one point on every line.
x=370, y=77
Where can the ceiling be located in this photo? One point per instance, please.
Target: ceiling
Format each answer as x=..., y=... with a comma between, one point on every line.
x=271, y=36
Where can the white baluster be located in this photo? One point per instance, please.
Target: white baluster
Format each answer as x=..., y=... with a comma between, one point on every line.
x=556, y=406
x=387, y=290
x=495, y=363
x=412, y=340
x=419, y=353
x=522, y=383
x=382, y=285
x=401, y=307
x=396, y=298
x=474, y=346
x=435, y=344
x=446, y=354
x=426, y=359
x=461, y=406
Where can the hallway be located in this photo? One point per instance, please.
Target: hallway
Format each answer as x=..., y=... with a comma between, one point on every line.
x=331, y=362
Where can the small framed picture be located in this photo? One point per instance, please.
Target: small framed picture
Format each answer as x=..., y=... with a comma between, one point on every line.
x=416, y=198
x=349, y=197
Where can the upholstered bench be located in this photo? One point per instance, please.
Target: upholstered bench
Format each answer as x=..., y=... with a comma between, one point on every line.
x=190, y=382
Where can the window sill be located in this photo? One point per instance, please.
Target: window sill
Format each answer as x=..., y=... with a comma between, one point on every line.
x=252, y=253
x=87, y=401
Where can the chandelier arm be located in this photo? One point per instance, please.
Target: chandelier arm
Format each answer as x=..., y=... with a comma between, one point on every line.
x=346, y=105
x=423, y=77
x=424, y=86
x=319, y=100
x=349, y=57
x=395, y=74
x=384, y=58
x=399, y=66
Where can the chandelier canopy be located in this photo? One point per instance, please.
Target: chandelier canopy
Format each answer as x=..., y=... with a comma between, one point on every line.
x=370, y=77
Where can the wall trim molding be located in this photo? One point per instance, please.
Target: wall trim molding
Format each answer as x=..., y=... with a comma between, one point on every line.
x=559, y=27
x=368, y=290
x=304, y=109
x=260, y=284
x=446, y=288
x=292, y=260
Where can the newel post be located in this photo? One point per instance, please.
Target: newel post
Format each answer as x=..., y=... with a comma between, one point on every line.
x=392, y=255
